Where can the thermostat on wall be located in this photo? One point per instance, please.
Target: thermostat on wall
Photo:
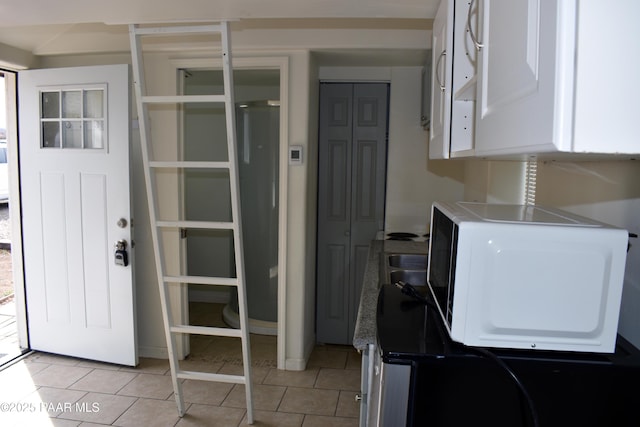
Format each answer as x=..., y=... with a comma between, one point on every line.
x=295, y=155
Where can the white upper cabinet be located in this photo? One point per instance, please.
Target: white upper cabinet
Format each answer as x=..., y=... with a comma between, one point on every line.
x=441, y=51
x=453, y=79
x=552, y=77
x=558, y=77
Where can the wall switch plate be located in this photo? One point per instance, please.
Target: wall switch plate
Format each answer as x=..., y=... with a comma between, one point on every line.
x=295, y=155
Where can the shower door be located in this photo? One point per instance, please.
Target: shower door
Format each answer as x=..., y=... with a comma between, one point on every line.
x=207, y=197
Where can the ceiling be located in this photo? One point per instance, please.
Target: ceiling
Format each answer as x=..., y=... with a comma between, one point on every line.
x=41, y=26
x=44, y=12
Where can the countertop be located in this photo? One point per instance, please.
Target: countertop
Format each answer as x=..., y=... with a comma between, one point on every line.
x=365, y=329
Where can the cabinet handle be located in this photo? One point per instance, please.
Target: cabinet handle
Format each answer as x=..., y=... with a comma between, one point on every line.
x=474, y=39
x=442, y=55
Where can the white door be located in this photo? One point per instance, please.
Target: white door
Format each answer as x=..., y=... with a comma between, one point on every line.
x=74, y=171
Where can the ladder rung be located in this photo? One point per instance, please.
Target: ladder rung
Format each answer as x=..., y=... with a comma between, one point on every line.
x=184, y=29
x=205, y=225
x=175, y=99
x=206, y=376
x=190, y=164
x=207, y=330
x=202, y=280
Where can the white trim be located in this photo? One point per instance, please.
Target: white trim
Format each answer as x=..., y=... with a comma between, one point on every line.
x=151, y=352
x=15, y=208
x=280, y=63
x=301, y=364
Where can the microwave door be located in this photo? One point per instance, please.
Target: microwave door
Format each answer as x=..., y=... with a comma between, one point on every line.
x=443, y=233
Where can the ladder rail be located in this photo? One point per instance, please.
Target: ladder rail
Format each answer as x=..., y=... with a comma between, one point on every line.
x=227, y=67
x=150, y=185
x=142, y=100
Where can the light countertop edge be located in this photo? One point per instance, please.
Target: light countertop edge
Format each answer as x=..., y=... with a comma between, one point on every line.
x=365, y=329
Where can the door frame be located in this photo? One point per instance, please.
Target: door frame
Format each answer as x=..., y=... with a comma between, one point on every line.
x=15, y=207
x=280, y=63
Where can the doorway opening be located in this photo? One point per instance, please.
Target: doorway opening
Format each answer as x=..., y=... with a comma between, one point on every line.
x=261, y=99
x=10, y=342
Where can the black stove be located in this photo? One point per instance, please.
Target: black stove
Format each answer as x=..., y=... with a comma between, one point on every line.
x=455, y=385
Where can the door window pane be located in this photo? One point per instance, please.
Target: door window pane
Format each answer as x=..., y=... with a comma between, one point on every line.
x=50, y=105
x=93, y=134
x=73, y=118
x=93, y=104
x=71, y=104
x=51, y=134
x=71, y=134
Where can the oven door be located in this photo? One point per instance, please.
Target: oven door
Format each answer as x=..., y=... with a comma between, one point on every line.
x=389, y=394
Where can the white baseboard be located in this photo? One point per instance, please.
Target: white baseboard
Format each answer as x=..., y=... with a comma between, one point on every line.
x=153, y=352
x=295, y=364
x=300, y=364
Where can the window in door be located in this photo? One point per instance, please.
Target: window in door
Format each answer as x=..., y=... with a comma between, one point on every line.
x=73, y=118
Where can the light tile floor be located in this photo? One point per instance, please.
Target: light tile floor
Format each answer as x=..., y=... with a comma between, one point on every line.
x=49, y=390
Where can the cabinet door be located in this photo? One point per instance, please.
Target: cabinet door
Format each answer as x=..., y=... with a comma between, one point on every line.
x=523, y=84
x=441, y=81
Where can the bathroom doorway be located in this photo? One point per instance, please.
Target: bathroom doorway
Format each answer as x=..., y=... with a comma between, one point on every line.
x=207, y=197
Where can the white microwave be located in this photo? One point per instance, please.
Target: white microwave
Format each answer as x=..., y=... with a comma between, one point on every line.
x=526, y=277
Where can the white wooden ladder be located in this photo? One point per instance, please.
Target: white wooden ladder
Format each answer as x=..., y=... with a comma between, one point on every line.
x=136, y=32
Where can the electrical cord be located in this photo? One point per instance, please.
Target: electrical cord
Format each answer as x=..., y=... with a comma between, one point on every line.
x=409, y=290
x=490, y=355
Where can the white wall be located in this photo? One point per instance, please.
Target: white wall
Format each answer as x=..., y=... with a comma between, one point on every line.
x=608, y=191
x=413, y=182
x=494, y=181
